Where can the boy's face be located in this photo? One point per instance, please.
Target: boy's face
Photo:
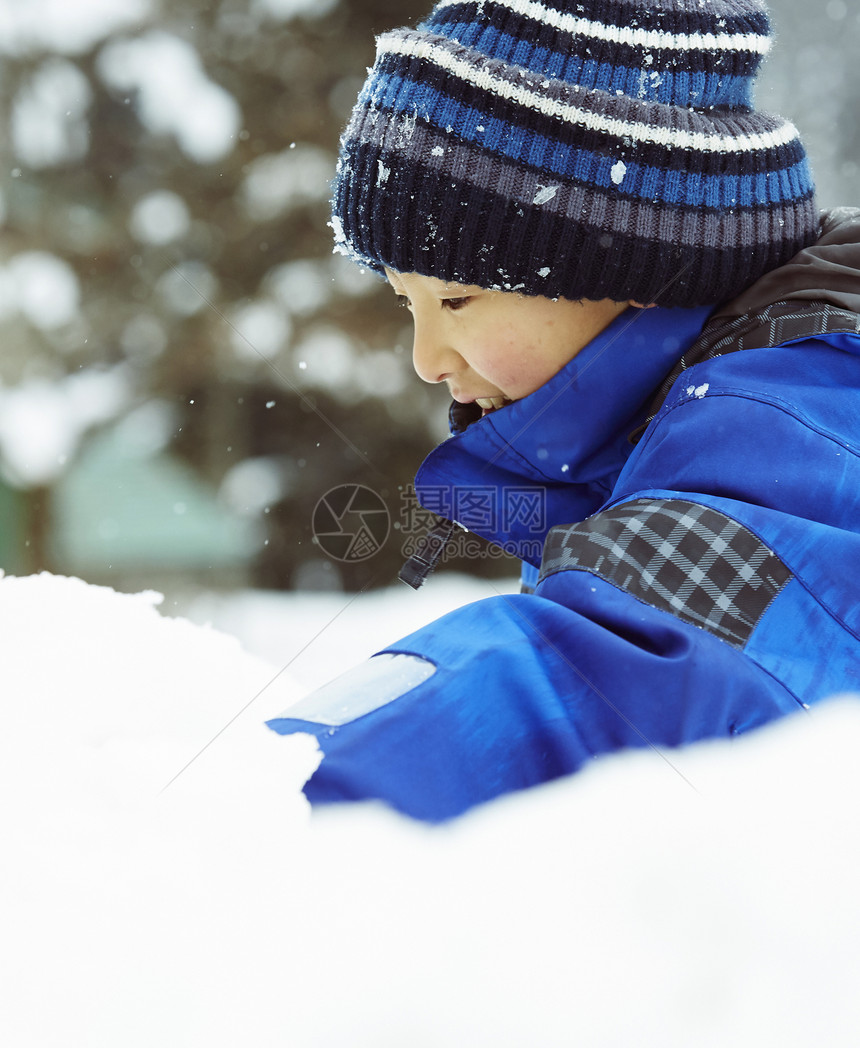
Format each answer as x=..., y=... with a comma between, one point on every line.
x=495, y=346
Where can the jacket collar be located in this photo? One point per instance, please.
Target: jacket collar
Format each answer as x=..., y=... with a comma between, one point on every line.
x=568, y=438
x=571, y=428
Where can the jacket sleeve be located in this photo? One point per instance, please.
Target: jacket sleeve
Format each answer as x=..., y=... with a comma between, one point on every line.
x=519, y=690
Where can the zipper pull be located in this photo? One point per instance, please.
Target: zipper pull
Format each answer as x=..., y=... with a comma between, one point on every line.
x=430, y=549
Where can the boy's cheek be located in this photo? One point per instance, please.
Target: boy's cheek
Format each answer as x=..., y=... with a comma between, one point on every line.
x=512, y=381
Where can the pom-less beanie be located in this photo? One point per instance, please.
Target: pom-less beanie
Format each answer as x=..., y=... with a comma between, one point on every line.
x=589, y=149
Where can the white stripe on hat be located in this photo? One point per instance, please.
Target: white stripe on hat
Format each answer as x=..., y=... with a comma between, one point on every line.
x=647, y=38
x=411, y=44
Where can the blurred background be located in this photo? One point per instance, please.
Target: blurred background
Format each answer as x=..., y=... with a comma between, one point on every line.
x=186, y=369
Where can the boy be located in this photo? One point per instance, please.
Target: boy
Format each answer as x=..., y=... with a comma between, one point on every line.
x=616, y=264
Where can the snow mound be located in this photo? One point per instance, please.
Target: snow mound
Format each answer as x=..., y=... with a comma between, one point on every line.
x=707, y=898
x=99, y=682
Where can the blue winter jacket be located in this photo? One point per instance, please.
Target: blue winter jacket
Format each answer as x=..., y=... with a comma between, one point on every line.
x=696, y=573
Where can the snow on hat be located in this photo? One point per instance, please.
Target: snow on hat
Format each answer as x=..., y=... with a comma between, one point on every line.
x=589, y=149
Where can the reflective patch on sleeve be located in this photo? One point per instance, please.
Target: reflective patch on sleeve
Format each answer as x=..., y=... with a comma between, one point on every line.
x=361, y=690
x=691, y=560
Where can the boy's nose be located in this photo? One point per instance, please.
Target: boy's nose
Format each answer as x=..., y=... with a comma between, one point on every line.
x=432, y=359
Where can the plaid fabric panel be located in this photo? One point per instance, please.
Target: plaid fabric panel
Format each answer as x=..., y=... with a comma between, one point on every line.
x=690, y=560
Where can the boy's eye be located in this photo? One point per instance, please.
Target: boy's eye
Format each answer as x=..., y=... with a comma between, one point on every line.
x=455, y=303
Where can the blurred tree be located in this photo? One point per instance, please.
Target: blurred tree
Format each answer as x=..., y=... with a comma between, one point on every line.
x=173, y=168
x=165, y=237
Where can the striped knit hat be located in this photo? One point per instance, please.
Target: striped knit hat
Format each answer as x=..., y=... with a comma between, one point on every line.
x=577, y=149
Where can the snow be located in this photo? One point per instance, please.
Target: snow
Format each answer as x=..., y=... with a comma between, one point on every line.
x=187, y=288
x=49, y=123
x=619, y=170
x=383, y=374
x=279, y=182
x=709, y=901
x=174, y=94
x=260, y=329
x=42, y=422
x=159, y=218
x=41, y=287
x=328, y=360
x=253, y=485
x=143, y=339
x=57, y=25
x=545, y=194
x=302, y=287
x=287, y=9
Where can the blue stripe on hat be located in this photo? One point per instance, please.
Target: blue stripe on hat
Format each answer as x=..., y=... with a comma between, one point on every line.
x=671, y=87
x=416, y=75
x=589, y=166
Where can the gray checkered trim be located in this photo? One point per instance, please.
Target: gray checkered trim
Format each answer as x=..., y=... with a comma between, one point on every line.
x=690, y=560
x=780, y=322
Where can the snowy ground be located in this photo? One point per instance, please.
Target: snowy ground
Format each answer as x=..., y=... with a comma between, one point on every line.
x=622, y=907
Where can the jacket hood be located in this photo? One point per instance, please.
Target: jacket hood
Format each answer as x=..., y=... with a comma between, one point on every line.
x=827, y=271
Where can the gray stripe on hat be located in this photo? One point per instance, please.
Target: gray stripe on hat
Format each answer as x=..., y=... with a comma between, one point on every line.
x=604, y=210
